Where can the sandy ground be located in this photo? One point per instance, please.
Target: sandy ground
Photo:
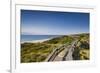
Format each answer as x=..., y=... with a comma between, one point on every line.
x=36, y=41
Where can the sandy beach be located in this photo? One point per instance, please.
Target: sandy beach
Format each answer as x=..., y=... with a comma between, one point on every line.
x=36, y=41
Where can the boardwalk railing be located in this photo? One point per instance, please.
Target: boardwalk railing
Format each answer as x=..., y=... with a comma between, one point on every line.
x=69, y=52
x=56, y=51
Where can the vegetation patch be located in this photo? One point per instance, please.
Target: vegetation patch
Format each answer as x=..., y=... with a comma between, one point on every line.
x=38, y=52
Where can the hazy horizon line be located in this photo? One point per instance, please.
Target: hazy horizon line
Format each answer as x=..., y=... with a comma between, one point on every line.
x=58, y=34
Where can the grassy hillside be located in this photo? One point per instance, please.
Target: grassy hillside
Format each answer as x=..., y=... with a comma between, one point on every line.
x=38, y=52
x=82, y=49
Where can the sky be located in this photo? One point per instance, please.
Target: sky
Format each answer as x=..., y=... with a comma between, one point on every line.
x=53, y=23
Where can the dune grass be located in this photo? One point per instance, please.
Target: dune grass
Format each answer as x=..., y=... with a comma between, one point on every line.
x=38, y=52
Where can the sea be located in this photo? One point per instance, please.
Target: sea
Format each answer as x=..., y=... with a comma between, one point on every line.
x=25, y=38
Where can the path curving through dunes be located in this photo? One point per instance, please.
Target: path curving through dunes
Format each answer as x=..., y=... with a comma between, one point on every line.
x=62, y=53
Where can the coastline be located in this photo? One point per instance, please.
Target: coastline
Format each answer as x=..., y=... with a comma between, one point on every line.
x=36, y=41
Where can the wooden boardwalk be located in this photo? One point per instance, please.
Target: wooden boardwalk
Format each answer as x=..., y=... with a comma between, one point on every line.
x=62, y=53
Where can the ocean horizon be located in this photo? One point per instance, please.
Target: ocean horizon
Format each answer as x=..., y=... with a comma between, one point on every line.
x=25, y=38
